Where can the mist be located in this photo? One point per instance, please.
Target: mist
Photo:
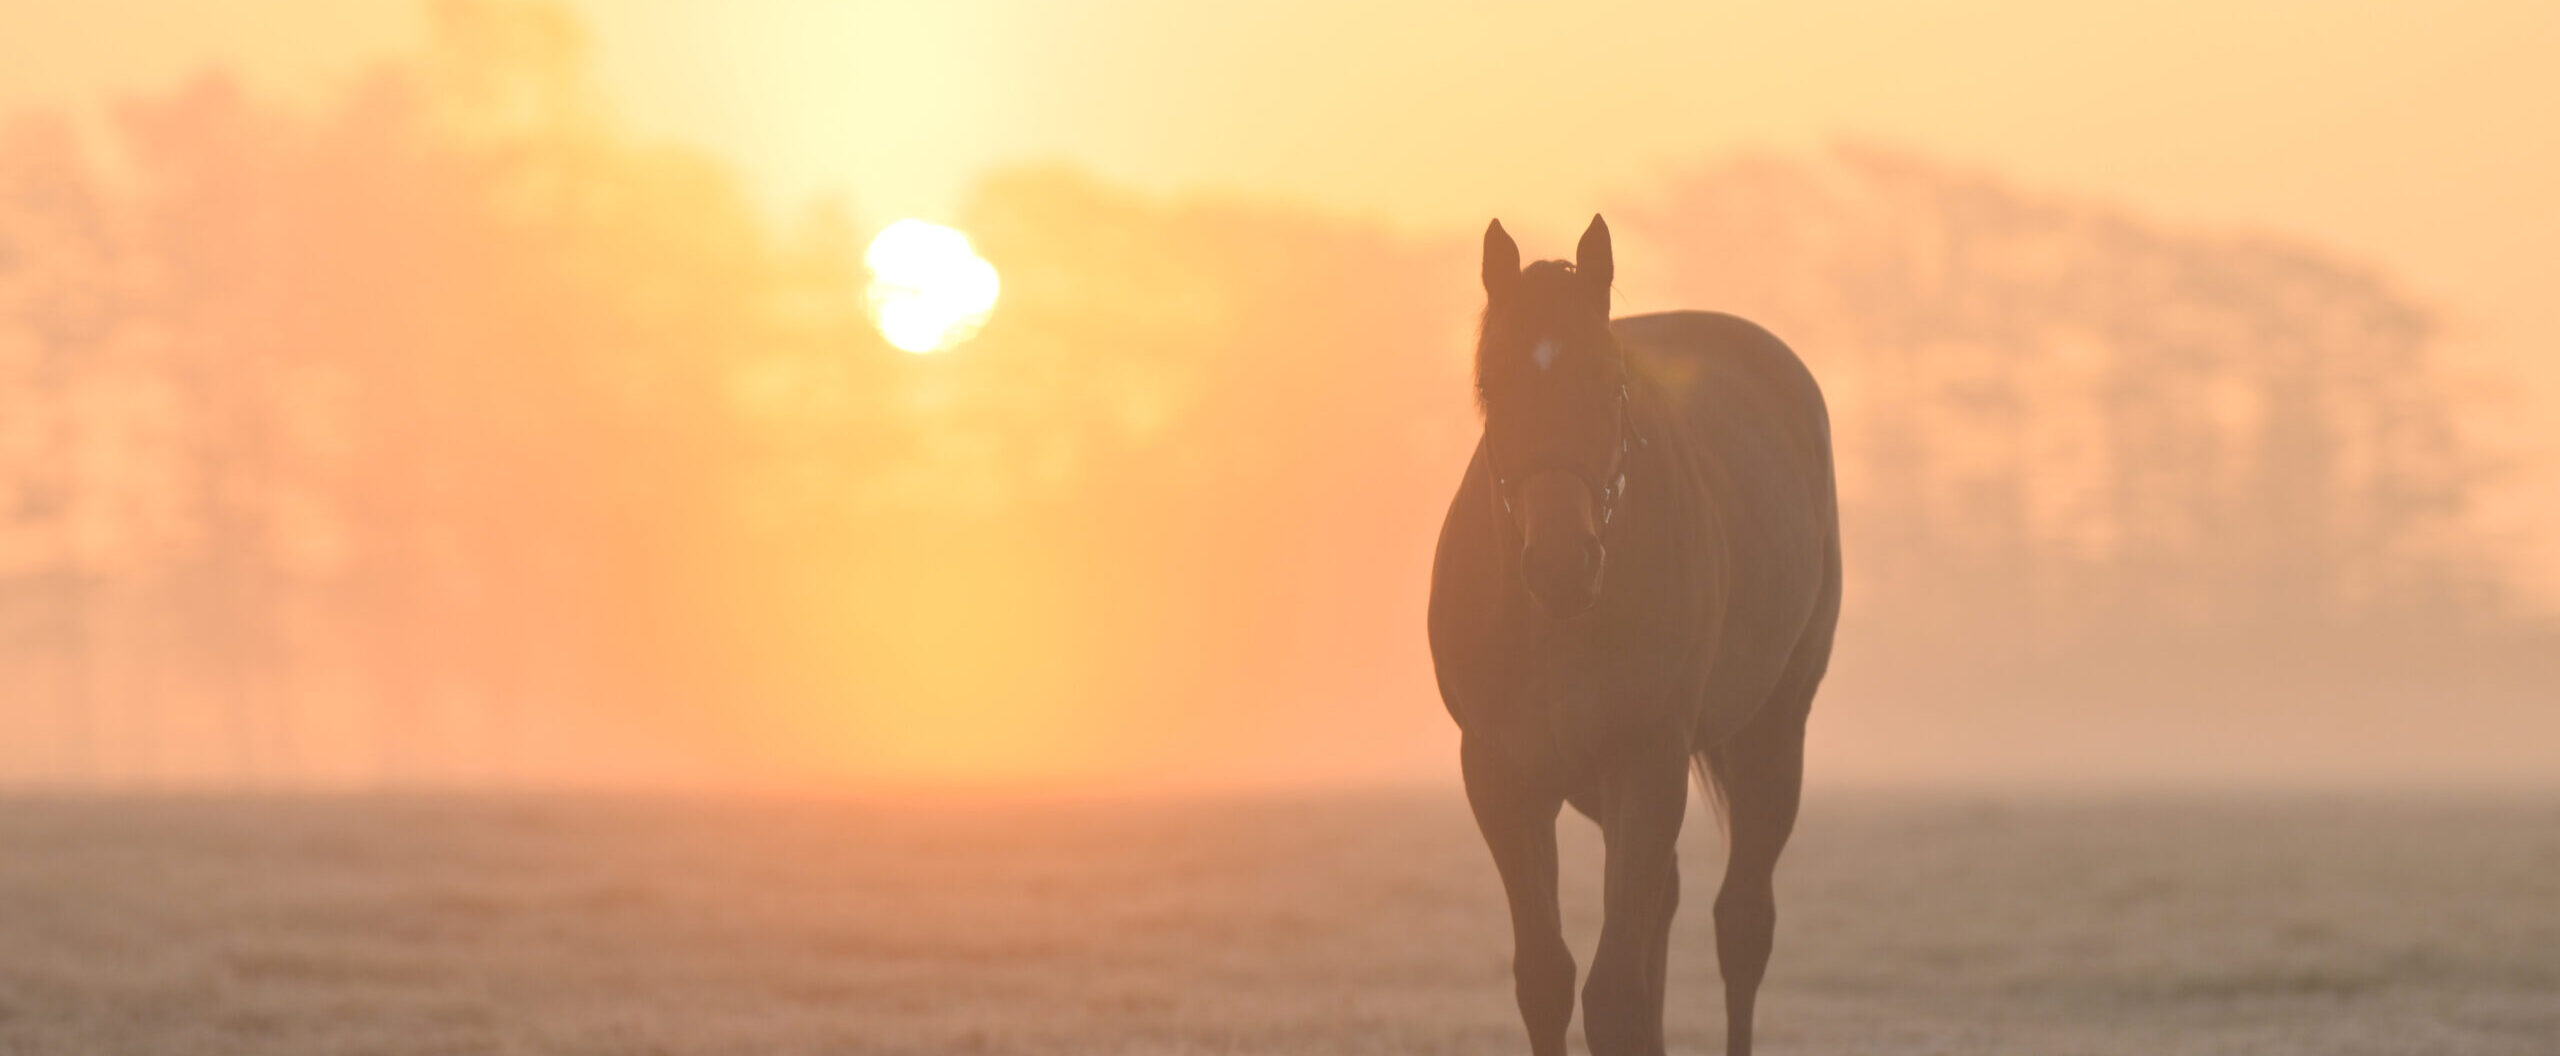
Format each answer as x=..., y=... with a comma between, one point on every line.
x=443, y=430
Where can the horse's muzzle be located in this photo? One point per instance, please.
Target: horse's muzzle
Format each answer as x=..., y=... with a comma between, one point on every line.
x=1564, y=575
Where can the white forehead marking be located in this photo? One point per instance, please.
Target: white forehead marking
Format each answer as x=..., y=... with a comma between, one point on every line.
x=1545, y=354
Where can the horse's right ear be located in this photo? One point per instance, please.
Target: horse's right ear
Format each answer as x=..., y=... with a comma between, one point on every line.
x=1501, y=261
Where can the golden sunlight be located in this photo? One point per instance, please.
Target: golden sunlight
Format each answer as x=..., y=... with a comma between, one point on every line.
x=929, y=288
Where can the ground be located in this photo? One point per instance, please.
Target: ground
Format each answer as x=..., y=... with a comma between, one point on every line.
x=1339, y=924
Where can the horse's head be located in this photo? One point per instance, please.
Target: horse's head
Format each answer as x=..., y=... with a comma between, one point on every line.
x=1552, y=383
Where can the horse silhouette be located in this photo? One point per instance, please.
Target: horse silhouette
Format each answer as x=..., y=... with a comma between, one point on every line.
x=1640, y=573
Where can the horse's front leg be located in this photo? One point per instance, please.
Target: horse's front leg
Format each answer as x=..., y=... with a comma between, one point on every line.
x=1622, y=1001
x=1518, y=820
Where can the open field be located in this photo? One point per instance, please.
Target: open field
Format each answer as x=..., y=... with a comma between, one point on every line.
x=1333, y=925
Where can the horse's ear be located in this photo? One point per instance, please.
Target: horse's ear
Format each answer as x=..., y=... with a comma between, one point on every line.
x=1501, y=261
x=1593, y=262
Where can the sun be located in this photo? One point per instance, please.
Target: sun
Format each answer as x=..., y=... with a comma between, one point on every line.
x=929, y=288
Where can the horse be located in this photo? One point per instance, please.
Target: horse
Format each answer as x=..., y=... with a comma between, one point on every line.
x=1639, y=575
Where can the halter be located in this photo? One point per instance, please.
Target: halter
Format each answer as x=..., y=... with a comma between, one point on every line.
x=1608, y=494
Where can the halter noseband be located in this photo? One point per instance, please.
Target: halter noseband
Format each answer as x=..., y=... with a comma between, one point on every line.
x=1609, y=493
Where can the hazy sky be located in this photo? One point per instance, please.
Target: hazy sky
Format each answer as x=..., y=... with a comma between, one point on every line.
x=2420, y=137
x=2421, y=140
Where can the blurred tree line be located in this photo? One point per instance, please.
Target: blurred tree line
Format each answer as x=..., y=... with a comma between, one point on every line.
x=447, y=432
x=412, y=399
x=2097, y=468
x=2070, y=413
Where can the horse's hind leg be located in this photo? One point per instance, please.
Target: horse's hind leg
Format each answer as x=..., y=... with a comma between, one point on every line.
x=1763, y=772
x=1519, y=827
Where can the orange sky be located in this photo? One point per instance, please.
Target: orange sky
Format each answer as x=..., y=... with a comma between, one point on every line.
x=2416, y=137
x=2421, y=143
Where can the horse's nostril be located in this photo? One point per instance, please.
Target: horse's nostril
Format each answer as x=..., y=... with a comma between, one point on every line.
x=1565, y=574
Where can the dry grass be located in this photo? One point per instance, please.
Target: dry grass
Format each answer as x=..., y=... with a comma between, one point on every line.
x=1340, y=925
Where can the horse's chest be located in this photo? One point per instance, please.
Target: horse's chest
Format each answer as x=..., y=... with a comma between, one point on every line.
x=1564, y=709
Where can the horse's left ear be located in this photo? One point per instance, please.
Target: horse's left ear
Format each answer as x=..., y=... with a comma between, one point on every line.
x=1501, y=262
x=1592, y=260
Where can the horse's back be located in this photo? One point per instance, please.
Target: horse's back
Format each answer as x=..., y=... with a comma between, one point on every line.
x=1755, y=418
x=1737, y=387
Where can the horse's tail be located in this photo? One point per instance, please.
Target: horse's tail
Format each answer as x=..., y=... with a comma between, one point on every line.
x=1708, y=765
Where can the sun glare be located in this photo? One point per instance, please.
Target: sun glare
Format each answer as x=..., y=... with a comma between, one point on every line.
x=929, y=288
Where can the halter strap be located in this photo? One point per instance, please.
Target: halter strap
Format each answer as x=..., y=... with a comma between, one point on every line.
x=1607, y=494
